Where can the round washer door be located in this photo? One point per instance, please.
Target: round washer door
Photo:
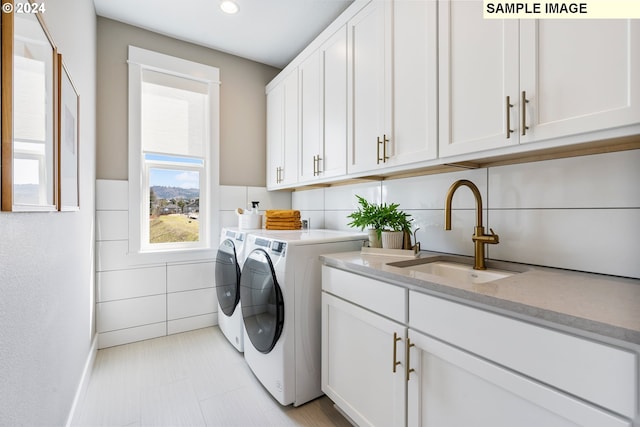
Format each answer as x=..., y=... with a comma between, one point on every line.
x=227, y=277
x=262, y=301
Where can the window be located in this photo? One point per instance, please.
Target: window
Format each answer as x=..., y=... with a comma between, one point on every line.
x=173, y=152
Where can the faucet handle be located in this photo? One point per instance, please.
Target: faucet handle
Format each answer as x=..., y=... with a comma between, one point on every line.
x=494, y=238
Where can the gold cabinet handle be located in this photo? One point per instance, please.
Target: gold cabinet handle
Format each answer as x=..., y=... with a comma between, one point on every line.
x=396, y=338
x=382, y=142
x=509, y=105
x=408, y=368
x=523, y=106
x=385, y=140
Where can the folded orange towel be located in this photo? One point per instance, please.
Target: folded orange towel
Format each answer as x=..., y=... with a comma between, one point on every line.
x=282, y=220
x=283, y=227
x=291, y=225
x=275, y=213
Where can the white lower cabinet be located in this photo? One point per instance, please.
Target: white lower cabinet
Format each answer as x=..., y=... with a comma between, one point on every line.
x=363, y=351
x=393, y=357
x=451, y=387
x=359, y=373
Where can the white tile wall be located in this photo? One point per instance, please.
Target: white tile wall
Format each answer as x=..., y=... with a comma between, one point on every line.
x=132, y=283
x=579, y=213
x=600, y=181
x=232, y=197
x=184, y=277
x=310, y=203
x=181, y=305
x=137, y=300
x=121, y=314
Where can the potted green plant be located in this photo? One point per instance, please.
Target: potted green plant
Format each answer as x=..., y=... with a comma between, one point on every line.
x=381, y=220
x=395, y=224
x=368, y=216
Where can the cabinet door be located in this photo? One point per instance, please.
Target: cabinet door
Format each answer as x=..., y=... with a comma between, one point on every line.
x=310, y=115
x=579, y=76
x=289, y=172
x=358, y=361
x=282, y=133
x=275, y=135
x=478, y=63
x=453, y=388
x=415, y=82
x=369, y=81
x=333, y=160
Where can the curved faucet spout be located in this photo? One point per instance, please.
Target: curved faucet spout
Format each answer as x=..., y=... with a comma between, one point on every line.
x=479, y=237
x=476, y=194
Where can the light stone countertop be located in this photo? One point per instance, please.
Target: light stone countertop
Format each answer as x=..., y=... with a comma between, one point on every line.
x=608, y=306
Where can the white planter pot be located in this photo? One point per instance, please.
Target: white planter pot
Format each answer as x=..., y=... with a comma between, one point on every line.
x=374, y=240
x=392, y=239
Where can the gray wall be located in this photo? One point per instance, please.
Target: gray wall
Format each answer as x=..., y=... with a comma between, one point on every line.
x=46, y=262
x=242, y=103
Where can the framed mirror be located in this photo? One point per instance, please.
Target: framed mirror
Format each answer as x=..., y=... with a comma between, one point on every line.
x=29, y=114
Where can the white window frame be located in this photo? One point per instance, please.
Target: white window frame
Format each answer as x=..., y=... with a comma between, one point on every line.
x=139, y=60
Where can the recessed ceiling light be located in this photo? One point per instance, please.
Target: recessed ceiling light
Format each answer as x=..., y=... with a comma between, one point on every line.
x=229, y=6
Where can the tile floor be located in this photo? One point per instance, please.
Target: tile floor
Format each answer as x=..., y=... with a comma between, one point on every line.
x=191, y=379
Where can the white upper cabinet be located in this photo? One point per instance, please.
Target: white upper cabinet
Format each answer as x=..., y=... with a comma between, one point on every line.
x=393, y=85
x=323, y=115
x=506, y=82
x=369, y=86
x=578, y=76
x=415, y=82
x=478, y=60
x=310, y=116
x=396, y=85
x=283, y=133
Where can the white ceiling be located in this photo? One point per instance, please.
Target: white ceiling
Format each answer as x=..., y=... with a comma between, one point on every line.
x=272, y=32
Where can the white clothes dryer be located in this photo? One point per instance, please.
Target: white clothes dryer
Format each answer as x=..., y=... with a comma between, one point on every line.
x=280, y=290
x=229, y=261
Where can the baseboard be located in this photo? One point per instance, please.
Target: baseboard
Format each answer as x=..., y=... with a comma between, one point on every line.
x=84, y=380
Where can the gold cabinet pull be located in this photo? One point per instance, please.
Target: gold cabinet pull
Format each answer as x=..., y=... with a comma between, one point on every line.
x=509, y=105
x=523, y=106
x=385, y=141
x=396, y=338
x=408, y=368
x=382, y=142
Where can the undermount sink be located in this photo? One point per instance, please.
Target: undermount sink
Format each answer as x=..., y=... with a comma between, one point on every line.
x=456, y=271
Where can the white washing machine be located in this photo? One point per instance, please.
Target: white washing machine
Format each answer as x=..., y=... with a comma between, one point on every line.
x=280, y=290
x=229, y=261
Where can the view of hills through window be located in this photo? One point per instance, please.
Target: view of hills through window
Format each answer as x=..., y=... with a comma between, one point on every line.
x=174, y=205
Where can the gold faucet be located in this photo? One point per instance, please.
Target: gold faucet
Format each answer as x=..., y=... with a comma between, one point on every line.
x=479, y=238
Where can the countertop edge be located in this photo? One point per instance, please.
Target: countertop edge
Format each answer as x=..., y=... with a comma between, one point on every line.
x=591, y=329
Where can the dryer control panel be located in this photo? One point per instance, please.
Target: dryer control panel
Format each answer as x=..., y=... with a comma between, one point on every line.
x=276, y=247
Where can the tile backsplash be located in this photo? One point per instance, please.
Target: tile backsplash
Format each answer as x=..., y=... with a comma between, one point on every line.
x=580, y=213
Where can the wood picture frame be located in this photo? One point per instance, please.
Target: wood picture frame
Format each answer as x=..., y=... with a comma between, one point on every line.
x=68, y=141
x=29, y=103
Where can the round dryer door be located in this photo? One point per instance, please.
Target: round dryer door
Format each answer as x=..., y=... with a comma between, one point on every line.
x=262, y=302
x=227, y=277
